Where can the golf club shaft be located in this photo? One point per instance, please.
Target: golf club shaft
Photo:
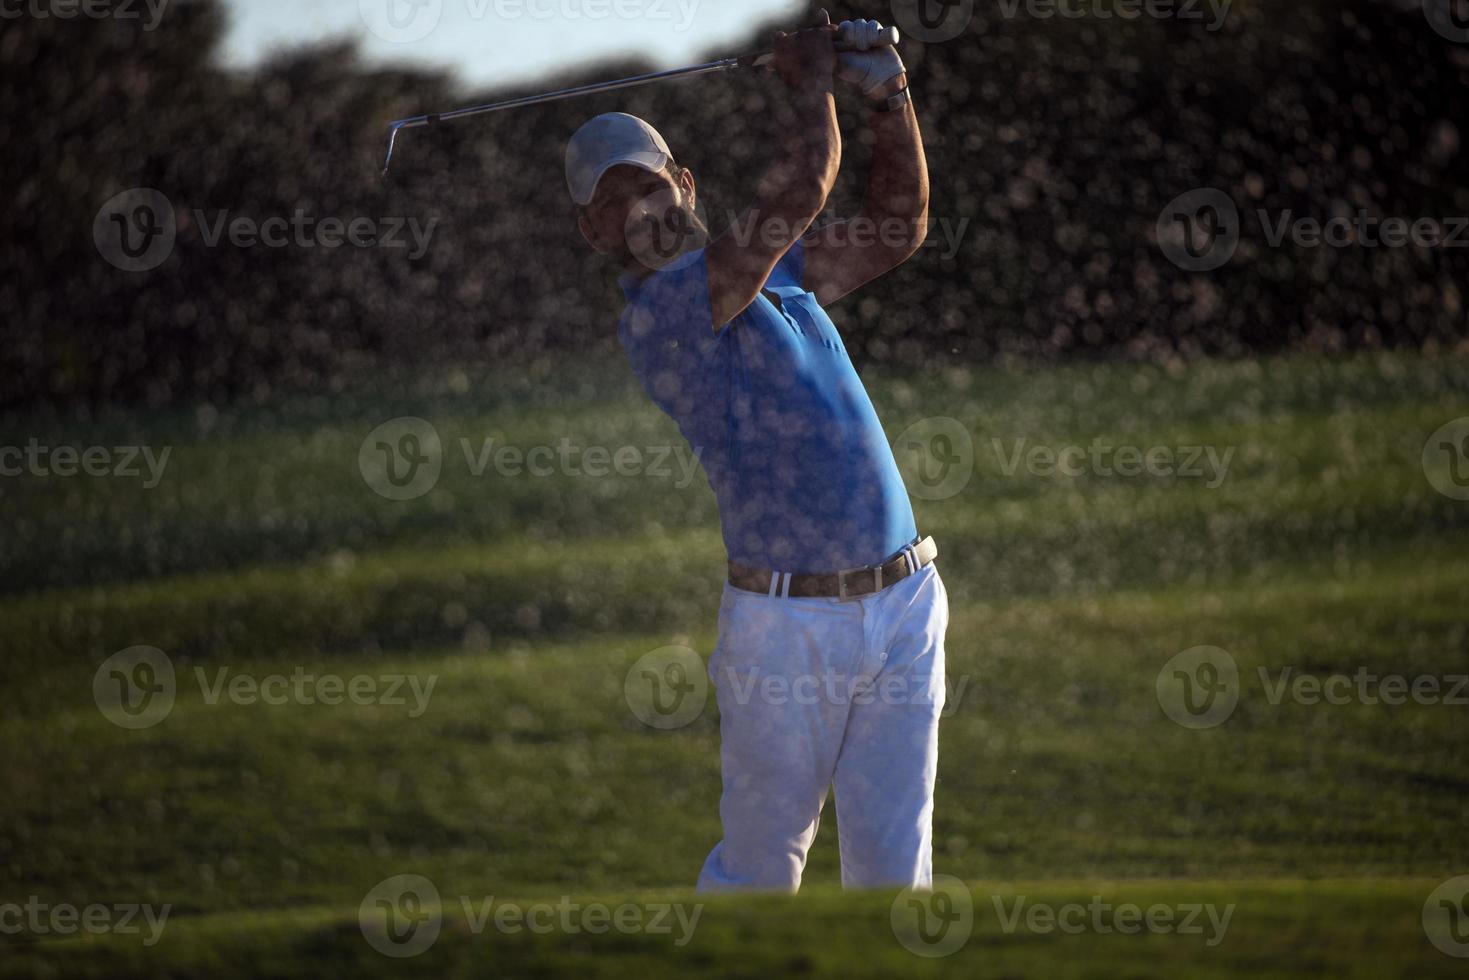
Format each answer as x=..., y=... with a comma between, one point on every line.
x=413, y=122
x=888, y=37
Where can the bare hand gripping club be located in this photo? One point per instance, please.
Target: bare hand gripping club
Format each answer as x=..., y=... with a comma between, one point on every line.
x=855, y=37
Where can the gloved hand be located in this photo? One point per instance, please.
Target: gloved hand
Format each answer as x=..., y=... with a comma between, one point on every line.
x=866, y=67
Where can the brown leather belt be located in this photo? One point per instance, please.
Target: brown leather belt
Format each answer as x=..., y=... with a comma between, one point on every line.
x=850, y=583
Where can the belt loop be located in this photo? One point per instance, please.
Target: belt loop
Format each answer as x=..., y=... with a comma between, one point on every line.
x=785, y=589
x=774, y=584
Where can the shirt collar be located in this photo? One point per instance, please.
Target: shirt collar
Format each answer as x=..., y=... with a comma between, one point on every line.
x=631, y=283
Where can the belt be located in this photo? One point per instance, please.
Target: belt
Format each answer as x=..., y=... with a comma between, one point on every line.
x=847, y=584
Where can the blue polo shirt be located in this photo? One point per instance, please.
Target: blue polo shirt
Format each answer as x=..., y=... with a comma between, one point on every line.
x=804, y=476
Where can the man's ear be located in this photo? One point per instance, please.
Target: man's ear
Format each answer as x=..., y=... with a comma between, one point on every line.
x=590, y=234
x=687, y=190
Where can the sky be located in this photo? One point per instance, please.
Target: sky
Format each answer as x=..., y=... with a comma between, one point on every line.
x=488, y=42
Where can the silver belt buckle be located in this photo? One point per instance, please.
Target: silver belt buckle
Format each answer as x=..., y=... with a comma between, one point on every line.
x=876, y=571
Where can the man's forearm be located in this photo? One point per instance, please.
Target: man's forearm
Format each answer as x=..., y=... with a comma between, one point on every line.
x=797, y=184
x=897, y=183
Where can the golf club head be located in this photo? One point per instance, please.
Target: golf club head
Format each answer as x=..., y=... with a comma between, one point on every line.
x=392, y=144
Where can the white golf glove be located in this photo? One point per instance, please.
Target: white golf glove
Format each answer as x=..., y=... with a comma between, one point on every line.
x=866, y=66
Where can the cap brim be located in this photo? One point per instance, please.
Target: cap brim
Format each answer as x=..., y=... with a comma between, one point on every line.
x=649, y=160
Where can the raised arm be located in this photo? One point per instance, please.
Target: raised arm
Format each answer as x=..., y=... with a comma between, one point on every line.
x=794, y=190
x=893, y=220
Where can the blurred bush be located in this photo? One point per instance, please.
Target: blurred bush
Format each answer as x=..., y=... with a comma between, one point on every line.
x=1060, y=140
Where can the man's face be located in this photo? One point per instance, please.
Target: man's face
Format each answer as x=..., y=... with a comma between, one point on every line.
x=642, y=218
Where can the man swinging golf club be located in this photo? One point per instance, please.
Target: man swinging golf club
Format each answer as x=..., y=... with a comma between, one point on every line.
x=831, y=590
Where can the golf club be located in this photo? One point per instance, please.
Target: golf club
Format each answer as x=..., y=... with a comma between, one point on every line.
x=877, y=36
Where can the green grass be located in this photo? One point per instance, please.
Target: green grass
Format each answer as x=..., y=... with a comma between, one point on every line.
x=527, y=599
x=1275, y=929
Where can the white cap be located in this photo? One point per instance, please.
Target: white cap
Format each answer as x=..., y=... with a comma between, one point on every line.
x=605, y=141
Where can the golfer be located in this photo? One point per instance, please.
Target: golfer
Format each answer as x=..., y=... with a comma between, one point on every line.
x=829, y=668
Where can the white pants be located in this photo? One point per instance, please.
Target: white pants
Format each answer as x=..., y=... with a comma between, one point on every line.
x=815, y=693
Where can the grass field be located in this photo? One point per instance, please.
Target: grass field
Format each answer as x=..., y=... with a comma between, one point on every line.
x=522, y=773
